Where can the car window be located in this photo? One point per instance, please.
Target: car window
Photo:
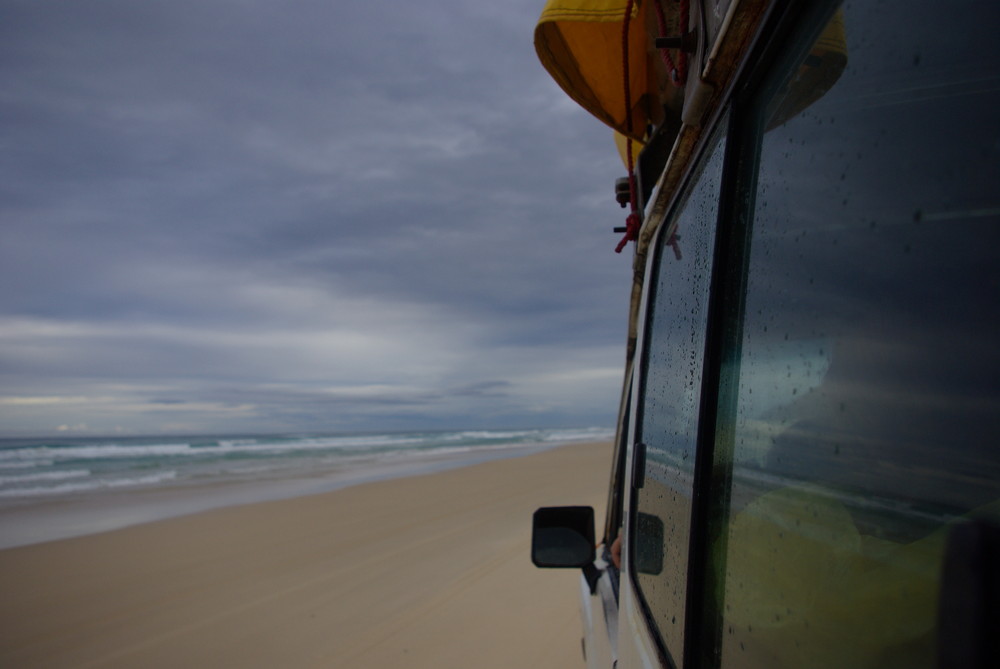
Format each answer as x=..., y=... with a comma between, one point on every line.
x=674, y=351
x=867, y=381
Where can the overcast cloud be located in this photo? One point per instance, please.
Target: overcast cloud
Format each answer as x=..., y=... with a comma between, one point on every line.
x=299, y=216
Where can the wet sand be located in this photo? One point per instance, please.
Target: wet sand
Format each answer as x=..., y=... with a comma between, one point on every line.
x=426, y=571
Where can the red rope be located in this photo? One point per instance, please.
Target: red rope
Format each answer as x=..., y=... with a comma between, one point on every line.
x=678, y=76
x=633, y=222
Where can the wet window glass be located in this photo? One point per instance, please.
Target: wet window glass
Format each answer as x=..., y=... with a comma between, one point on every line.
x=868, y=403
x=675, y=342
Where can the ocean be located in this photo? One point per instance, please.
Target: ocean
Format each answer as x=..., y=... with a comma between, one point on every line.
x=53, y=488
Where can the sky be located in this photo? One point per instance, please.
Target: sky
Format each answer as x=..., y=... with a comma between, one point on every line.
x=221, y=216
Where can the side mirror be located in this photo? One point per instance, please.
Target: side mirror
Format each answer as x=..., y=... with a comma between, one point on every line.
x=563, y=536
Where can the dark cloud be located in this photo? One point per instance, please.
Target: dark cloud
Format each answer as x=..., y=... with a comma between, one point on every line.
x=379, y=195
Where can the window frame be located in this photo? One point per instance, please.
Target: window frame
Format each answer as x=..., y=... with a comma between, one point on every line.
x=718, y=132
x=740, y=123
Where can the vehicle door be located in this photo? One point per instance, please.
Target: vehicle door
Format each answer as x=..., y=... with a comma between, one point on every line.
x=814, y=466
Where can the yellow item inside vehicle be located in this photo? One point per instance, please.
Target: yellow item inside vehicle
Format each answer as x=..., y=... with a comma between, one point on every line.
x=807, y=580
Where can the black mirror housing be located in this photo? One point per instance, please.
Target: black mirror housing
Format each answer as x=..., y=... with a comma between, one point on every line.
x=563, y=537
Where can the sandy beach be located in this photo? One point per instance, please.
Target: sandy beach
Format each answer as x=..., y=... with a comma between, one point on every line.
x=426, y=571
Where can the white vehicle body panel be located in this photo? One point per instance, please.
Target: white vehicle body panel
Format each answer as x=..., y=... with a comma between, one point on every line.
x=636, y=645
x=599, y=614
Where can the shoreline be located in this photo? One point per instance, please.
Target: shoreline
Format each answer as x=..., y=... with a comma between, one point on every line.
x=423, y=571
x=28, y=522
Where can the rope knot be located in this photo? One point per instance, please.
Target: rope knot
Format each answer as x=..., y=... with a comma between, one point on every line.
x=632, y=225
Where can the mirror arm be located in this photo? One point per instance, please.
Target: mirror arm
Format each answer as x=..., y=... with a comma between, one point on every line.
x=591, y=574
